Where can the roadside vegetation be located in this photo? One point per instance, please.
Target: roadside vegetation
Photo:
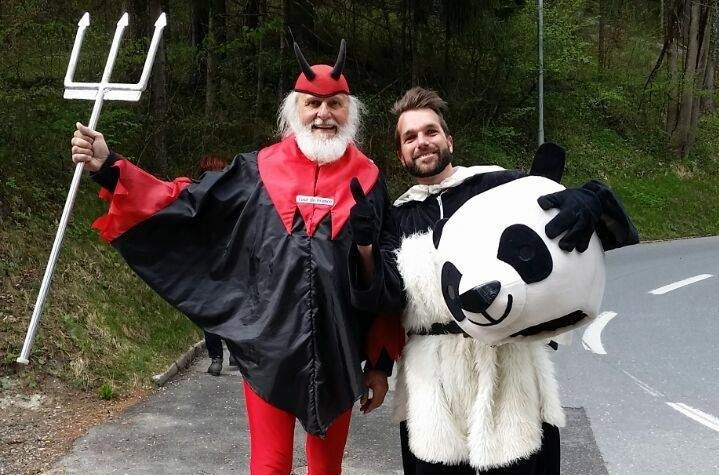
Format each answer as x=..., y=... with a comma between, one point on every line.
x=215, y=89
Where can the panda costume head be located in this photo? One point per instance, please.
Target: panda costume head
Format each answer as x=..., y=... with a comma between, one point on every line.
x=503, y=279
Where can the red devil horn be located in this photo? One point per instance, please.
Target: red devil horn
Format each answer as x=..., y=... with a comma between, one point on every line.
x=306, y=68
x=340, y=63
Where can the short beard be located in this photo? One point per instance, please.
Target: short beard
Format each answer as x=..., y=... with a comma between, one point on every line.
x=445, y=158
x=319, y=149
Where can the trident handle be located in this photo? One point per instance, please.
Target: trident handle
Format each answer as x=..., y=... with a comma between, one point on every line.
x=102, y=90
x=47, y=278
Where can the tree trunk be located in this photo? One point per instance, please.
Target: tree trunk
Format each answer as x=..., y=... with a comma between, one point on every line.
x=414, y=41
x=260, y=66
x=671, y=27
x=701, y=73
x=601, y=42
x=662, y=20
x=200, y=20
x=673, y=95
x=282, y=53
x=158, y=94
x=404, y=44
x=447, y=37
x=138, y=12
x=710, y=76
x=251, y=14
x=680, y=139
x=300, y=20
x=215, y=39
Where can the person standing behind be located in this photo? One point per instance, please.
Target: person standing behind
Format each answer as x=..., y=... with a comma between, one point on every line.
x=213, y=343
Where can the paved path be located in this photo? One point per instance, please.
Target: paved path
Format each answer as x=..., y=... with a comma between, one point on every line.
x=649, y=405
x=196, y=425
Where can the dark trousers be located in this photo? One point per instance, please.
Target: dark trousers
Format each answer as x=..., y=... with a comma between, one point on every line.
x=214, y=345
x=543, y=462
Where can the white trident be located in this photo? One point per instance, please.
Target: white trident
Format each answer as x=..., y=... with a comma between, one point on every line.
x=97, y=92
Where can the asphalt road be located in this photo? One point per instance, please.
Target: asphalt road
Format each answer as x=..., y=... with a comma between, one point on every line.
x=659, y=350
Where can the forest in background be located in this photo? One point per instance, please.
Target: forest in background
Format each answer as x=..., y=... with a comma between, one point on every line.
x=629, y=92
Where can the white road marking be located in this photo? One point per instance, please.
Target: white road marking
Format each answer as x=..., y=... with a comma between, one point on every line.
x=701, y=417
x=645, y=386
x=681, y=283
x=592, y=337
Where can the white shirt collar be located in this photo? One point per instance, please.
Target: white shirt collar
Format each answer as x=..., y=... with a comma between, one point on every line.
x=421, y=192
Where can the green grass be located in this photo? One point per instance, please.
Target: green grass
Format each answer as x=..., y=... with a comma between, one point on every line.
x=669, y=206
x=101, y=327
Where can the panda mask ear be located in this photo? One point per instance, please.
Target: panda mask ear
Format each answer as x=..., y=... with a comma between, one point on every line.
x=549, y=160
x=437, y=232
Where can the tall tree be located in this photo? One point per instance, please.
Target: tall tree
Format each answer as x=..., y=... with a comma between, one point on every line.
x=158, y=96
x=200, y=24
x=216, y=38
x=262, y=17
x=602, y=36
x=708, y=103
x=694, y=76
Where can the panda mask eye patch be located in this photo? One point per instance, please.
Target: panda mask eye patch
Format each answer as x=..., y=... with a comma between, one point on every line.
x=522, y=248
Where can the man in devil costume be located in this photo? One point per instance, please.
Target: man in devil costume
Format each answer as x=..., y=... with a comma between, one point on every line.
x=270, y=254
x=497, y=407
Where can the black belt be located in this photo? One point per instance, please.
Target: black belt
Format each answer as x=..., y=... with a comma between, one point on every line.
x=439, y=329
x=453, y=329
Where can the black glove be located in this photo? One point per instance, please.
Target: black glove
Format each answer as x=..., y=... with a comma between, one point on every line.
x=363, y=218
x=616, y=229
x=579, y=212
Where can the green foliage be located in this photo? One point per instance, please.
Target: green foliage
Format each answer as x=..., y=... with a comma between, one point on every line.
x=106, y=391
x=106, y=331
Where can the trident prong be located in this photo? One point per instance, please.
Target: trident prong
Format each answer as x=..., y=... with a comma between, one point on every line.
x=104, y=90
x=114, y=91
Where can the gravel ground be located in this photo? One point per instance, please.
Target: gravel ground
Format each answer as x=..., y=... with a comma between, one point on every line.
x=38, y=426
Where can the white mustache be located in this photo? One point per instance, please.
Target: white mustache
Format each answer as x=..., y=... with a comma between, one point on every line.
x=325, y=123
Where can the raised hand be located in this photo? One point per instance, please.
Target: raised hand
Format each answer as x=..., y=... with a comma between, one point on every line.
x=88, y=147
x=363, y=220
x=579, y=212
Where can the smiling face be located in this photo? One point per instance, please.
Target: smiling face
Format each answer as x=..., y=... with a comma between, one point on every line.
x=324, y=115
x=323, y=126
x=424, y=148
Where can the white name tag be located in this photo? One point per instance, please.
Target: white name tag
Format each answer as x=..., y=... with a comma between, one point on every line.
x=314, y=200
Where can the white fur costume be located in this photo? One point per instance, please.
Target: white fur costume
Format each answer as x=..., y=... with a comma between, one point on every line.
x=465, y=401
x=469, y=402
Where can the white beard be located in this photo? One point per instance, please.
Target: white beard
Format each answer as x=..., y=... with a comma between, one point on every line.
x=319, y=149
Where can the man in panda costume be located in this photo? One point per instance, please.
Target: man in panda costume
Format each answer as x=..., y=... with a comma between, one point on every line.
x=488, y=404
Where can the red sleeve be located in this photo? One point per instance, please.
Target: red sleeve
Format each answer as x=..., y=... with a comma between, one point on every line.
x=386, y=333
x=137, y=196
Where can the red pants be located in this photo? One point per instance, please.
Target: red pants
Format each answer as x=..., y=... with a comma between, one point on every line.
x=271, y=431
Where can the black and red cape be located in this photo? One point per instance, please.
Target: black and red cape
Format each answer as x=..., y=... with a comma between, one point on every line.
x=261, y=254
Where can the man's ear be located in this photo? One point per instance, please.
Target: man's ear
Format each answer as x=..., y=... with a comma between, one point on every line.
x=450, y=142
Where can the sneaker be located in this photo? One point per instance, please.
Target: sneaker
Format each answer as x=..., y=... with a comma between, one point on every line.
x=215, y=367
x=233, y=361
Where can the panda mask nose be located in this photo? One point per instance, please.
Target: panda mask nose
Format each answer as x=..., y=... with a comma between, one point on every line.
x=479, y=298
